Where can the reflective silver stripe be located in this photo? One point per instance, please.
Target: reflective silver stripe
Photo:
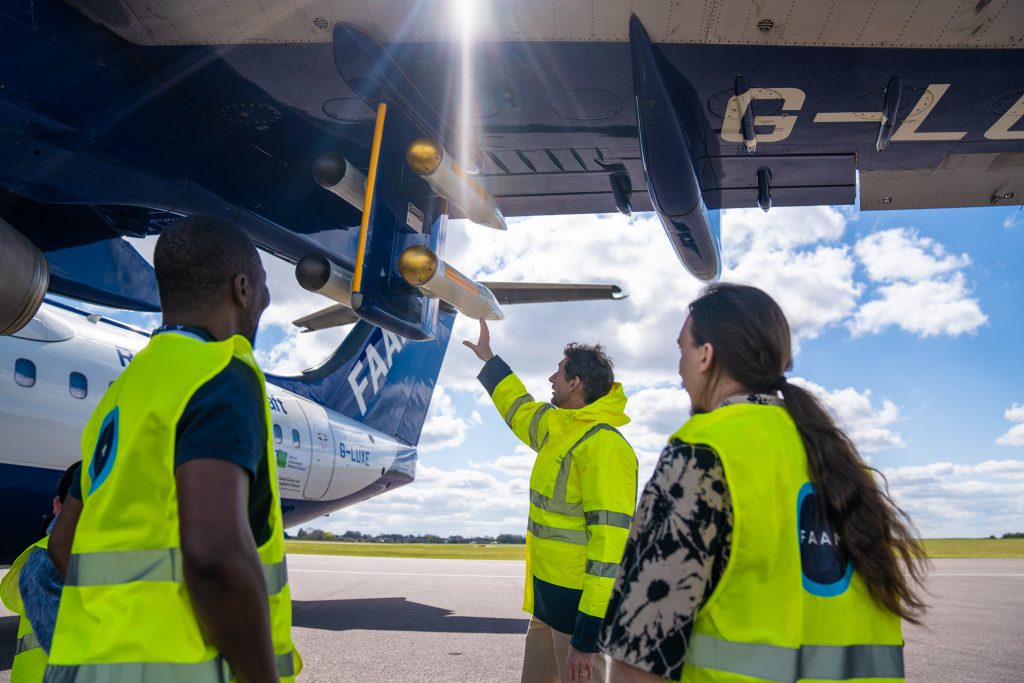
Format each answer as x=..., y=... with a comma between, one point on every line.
x=27, y=642
x=125, y=566
x=815, y=662
x=556, y=506
x=562, y=481
x=608, y=518
x=605, y=570
x=276, y=576
x=285, y=665
x=516, y=405
x=552, y=533
x=212, y=671
x=535, y=424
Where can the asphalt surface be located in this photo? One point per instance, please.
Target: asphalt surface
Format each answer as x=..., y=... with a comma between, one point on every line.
x=382, y=619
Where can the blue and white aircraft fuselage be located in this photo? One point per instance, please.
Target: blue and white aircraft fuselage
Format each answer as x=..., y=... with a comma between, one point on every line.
x=54, y=371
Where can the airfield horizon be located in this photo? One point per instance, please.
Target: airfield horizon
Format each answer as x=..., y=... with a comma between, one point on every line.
x=937, y=548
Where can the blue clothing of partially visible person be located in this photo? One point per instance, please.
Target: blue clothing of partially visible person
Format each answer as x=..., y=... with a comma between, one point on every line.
x=40, y=586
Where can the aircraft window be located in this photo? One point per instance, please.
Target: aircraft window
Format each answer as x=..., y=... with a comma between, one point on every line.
x=296, y=441
x=278, y=436
x=24, y=372
x=78, y=385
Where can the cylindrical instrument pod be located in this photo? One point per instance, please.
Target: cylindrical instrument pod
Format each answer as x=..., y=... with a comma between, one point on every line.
x=335, y=173
x=317, y=274
x=420, y=267
x=448, y=179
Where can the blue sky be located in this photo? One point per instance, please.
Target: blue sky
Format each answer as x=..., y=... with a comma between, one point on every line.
x=908, y=326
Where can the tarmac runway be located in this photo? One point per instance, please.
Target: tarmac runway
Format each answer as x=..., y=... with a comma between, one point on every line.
x=453, y=621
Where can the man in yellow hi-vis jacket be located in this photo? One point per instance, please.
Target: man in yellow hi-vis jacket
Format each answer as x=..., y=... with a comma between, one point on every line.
x=582, y=498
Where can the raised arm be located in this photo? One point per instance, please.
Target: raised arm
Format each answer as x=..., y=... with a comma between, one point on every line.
x=525, y=416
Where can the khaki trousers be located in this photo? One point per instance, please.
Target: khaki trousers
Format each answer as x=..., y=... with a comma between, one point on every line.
x=546, y=652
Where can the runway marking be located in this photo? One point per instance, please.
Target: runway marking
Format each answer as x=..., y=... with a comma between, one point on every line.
x=453, y=576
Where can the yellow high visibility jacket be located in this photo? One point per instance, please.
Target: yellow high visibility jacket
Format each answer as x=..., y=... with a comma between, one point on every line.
x=582, y=499
x=29, y=656
x=125, y=613
x=789, y=606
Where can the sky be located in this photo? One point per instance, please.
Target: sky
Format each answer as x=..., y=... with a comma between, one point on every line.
x=907, y=324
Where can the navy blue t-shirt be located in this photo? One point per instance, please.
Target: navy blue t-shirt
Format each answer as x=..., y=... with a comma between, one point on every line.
x=225, y=420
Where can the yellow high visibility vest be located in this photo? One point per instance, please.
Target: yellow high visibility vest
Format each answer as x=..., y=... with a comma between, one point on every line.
x=125, y=613
x=29, y=657
x=582, y=498
x=788, y=607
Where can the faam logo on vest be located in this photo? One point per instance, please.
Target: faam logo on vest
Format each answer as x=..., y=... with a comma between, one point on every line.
x=826, y=569
x=105, y=453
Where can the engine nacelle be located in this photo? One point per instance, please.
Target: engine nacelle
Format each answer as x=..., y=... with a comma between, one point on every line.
x=26, y=276
x=420, y=267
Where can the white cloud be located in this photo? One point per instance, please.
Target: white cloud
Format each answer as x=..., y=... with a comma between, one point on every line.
x=927, y=308
x=902, y=254
x=1015, y=435
x=867, y=425
x=947, y=499
x=464, y=500
x=519, y=465
x=444, y=427
x=922, y=289
x=791, y=253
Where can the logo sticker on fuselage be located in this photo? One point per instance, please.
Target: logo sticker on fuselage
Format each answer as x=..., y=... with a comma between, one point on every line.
x=825, y=567
x=105, y=453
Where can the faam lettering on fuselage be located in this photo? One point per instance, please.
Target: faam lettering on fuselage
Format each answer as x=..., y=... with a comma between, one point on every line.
x=371, y=370
x=124, y=356
x=793, y=99
x=276, y=405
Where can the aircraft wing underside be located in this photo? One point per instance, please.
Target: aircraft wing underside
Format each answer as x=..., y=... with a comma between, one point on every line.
x=134, y=111
x=553, y=95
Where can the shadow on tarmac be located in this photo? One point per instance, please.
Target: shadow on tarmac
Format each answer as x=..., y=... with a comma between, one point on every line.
x=8, y=634
x=395, y=614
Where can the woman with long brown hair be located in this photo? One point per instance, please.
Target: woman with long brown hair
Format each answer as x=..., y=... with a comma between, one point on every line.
x=763, y=547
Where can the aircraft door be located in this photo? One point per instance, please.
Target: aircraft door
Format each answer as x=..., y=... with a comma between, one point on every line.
x=321, y=466
x=291, y=435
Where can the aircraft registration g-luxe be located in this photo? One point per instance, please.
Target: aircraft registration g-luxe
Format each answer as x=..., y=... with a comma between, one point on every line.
x=341, y=136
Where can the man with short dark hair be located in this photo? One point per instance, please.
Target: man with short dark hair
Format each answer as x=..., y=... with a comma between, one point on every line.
x=174, y=558
x=582, y=498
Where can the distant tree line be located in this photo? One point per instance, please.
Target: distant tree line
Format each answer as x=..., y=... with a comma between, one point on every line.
x=358, y=537
x=1016, y=534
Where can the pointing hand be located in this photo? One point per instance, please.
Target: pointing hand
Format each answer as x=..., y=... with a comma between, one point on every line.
x=482, y=348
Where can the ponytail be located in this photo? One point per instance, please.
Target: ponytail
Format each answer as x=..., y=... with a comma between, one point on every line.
x=751, y=339
x=876, y=534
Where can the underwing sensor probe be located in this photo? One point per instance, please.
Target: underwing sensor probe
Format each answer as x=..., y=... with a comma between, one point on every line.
x=420, y=267
x=448, y=179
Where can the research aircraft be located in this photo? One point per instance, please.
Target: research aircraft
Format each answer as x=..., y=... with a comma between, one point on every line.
x=342, y=135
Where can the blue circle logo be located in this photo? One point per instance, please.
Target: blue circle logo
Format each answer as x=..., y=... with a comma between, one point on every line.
x=105, y=453
x=826, y=568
